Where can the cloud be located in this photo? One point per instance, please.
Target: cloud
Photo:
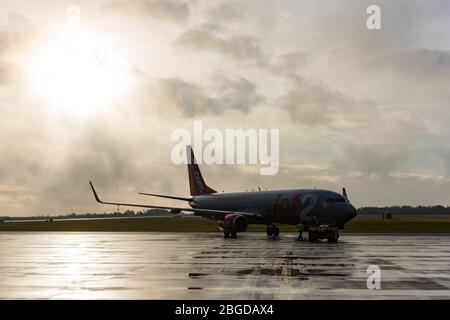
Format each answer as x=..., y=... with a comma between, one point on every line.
x=211, y=37
x=373, y=158
x=368, y=110
x=186, y=99
x=17, y=35
x=443, y=152
x=164, y=10
x=5, y=72
x=290, y=62
x=420, y=65
x=225, y=12
x=3, y=40
x=344, y=130
x=39, y=178
x=314, y=104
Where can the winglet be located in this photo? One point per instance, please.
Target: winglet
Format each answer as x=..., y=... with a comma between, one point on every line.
x=344, y=193
x=95, y=193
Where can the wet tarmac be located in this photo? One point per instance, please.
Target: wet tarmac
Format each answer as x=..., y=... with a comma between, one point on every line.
x=88, y=265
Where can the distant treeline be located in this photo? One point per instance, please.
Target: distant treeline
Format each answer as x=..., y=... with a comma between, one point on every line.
x=420, y=210
x=127, y=213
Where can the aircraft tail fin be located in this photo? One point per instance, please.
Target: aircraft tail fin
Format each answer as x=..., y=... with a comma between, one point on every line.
x=196, y=182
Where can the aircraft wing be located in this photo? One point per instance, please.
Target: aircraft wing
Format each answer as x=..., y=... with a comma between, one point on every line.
x=207, y=213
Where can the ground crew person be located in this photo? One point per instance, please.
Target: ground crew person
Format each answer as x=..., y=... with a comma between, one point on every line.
x=300, y=228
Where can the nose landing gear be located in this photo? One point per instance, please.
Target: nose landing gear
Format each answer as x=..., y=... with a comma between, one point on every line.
x=227, y=235
x=273, y=231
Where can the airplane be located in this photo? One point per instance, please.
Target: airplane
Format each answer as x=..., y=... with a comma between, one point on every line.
x=322, y=213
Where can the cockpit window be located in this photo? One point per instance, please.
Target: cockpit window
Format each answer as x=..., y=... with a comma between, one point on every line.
x=333, y=200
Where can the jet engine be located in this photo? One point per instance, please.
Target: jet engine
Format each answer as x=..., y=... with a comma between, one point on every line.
x=233, y=223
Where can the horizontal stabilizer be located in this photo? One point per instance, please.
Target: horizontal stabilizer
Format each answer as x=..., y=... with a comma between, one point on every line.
x=164, y=196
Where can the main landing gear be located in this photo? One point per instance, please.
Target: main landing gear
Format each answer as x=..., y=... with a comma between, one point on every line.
x=273, y=231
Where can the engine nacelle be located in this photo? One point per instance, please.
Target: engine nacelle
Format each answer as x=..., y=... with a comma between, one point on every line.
x=233, y=222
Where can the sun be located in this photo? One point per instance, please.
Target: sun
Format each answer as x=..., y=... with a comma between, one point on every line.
x=77, y=73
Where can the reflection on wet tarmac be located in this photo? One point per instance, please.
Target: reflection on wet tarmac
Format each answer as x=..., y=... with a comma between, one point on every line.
x=89, y=265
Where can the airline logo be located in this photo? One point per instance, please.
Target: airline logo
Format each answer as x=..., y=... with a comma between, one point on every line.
x=310, y=201
x=198, y=181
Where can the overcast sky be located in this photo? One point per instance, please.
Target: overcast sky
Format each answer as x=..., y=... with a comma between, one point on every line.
x=364, y=109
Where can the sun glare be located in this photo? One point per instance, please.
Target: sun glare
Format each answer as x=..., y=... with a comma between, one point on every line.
x=77, y=73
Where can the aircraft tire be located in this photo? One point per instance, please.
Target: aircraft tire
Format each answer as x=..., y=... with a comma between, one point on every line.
x=313, y=237
x=333, y=238
x=234, y=235
x=273, y=231
x=226, y=235
x=276, y=231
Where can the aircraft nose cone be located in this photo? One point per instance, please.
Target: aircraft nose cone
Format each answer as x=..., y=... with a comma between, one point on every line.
x=351, y=212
